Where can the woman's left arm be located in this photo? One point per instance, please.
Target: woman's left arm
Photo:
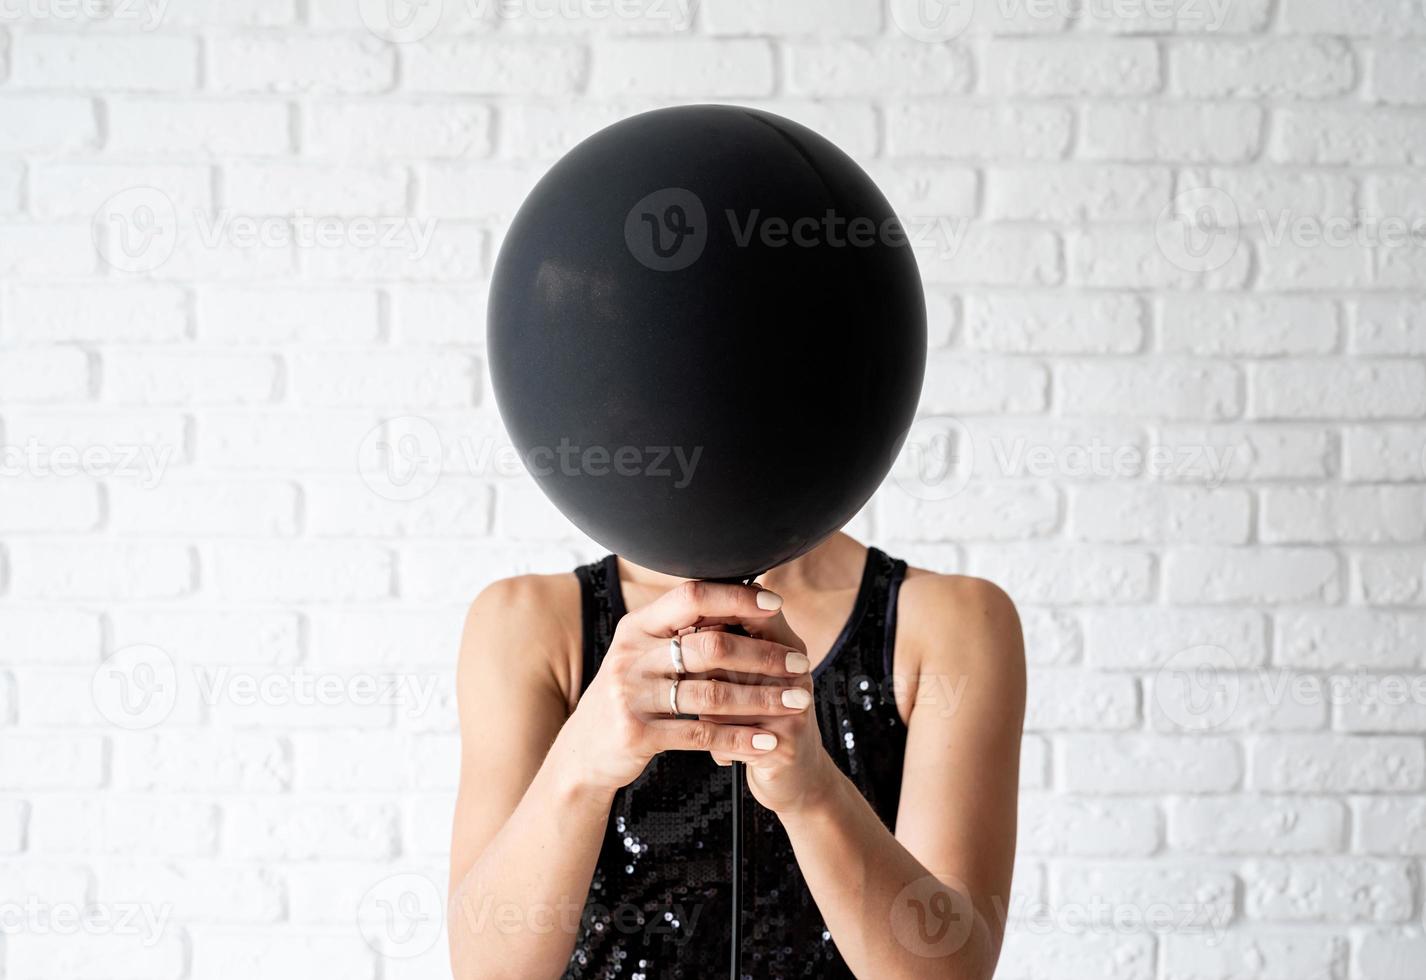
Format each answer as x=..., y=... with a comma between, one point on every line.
x=930, y=900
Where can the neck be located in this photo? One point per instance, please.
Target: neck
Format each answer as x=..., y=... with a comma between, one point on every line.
x=822, y=567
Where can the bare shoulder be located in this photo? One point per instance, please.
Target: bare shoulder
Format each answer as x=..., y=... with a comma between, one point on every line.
x=961, y=623
x=529, y=604
x=526, y=626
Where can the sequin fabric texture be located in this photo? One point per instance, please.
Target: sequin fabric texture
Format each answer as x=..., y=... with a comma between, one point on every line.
x=658, y=907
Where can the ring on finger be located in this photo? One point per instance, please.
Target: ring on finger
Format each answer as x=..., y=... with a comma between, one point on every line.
x=675, y=653
x=673, y=697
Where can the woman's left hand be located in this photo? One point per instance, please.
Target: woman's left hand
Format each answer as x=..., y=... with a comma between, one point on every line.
x=798, y=770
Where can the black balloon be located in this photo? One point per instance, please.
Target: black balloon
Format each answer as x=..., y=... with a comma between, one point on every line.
x=707, y=338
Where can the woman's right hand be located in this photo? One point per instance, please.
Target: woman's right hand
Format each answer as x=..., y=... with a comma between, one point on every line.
x=624, y=717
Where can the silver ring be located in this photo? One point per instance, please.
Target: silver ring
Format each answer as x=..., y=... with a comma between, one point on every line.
x=673, y=697
x=675, y=653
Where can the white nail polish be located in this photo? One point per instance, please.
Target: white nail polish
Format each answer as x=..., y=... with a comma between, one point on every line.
x=797, y=663
x=769, y=600
x=762, y=741
x=796, y=698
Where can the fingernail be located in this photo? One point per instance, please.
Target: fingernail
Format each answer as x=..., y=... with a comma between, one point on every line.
x=763, y=741
x=797, y=663
x=795, y=697
x=769, y=600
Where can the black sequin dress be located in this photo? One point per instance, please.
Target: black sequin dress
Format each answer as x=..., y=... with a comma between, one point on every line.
x=659, y=903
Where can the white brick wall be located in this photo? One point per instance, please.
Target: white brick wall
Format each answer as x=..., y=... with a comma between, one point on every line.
x=227, y=741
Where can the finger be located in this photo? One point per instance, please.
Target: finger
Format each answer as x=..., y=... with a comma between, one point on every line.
x=731, y=741
x=715, y=697
x=721, y=759
x=692, y=602
x=775, y=629
x=710, y=650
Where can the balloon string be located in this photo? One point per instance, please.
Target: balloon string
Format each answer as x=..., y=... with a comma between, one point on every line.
x=736, y=944
x=739, y=778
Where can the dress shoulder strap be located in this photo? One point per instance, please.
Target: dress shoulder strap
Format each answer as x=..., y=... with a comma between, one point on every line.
x=887, y=594
x=601, y=608
x=865, y=649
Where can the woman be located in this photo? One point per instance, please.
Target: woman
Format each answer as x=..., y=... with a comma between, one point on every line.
x=878, y=709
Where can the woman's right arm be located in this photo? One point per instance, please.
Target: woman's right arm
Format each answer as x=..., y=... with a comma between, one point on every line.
x=537, y=781
x=527, y=826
